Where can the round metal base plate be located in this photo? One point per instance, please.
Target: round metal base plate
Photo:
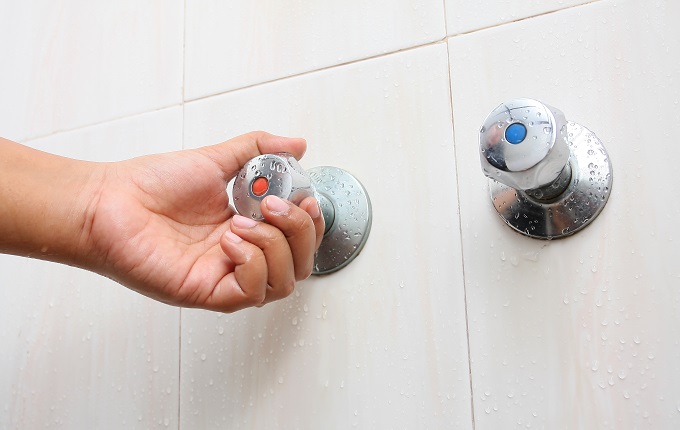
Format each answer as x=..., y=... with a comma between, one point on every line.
x=347, y=234
x=571, y=211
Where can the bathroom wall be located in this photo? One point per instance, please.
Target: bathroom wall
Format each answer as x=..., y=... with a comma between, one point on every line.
x=448, y=319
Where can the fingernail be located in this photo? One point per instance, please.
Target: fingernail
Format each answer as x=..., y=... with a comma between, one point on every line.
x=276, y=204
x=231, y=237
x=243, y=222
x=314, y=210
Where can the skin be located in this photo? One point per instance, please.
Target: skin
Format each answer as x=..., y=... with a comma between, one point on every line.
x=161, y=224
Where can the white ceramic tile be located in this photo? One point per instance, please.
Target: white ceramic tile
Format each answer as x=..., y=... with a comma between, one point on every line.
x=464, y=16
x=80, y=351
x=69, y=64
x=382, y=343
x=581, y=332
x=238, y=43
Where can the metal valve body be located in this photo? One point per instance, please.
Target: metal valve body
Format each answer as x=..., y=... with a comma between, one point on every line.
x=549, y=177
x=344, y=203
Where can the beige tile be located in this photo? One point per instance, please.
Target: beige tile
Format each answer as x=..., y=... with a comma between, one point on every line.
x=582, y=332
x=70, y=64
x=239, y=43
x=80, y=351
x=466, y=16
x=382, y=343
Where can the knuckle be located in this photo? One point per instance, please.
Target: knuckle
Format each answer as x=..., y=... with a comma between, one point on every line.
x=304, y=224
x=257, y=293
x=273, y=239
x=255, y=298
x=287, y=288
x=255, y=134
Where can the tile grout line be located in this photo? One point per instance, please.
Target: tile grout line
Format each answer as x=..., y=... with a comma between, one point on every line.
x=460, y=221
x=98, y=123
x=320, y=69
x=462, y=248
x=501, y=24
x=460, y=228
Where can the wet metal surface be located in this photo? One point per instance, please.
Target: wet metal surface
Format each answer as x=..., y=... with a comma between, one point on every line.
x=584, y=198
x=347, y=232
x=344, y=203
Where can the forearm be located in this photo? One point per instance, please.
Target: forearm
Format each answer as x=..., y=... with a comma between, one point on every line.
x=45, y=204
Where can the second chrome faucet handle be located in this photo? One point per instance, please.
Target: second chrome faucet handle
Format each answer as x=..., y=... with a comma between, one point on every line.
x=550, y=177
x=523, y=143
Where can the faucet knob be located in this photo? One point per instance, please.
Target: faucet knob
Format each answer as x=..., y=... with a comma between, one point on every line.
x=344, y=203
x=549, y=177
x=523, y=144
x=270, y=174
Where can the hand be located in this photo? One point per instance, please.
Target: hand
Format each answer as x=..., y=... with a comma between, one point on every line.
x=162, y=225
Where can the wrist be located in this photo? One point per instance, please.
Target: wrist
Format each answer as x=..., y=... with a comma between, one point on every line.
x=47, y=204
x=85, y=185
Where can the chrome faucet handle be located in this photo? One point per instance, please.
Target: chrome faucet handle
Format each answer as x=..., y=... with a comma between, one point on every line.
x=550, y=177
x=523, y=144
x=344, y=203
x=270, y=174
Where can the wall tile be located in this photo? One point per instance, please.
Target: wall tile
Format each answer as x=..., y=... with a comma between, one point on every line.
x=239, y=43
x=581, y=332
x=80, y=351
x=382, y=343
x=70, y=64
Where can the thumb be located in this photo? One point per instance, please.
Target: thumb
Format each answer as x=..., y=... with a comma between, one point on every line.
x=233, y=154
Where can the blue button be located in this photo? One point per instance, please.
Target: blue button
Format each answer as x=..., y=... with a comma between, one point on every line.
x=515, y=133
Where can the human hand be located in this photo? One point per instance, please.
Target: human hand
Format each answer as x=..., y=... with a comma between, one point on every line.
x=162, y=225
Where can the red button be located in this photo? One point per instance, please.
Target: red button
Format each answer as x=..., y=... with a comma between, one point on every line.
x=259, y=186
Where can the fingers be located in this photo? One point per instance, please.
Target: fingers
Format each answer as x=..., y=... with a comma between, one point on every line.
x=281, y=250
x=233, y=154
x=311, y=206
x=302, y=227
x=246, y=285
x=277, y=254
